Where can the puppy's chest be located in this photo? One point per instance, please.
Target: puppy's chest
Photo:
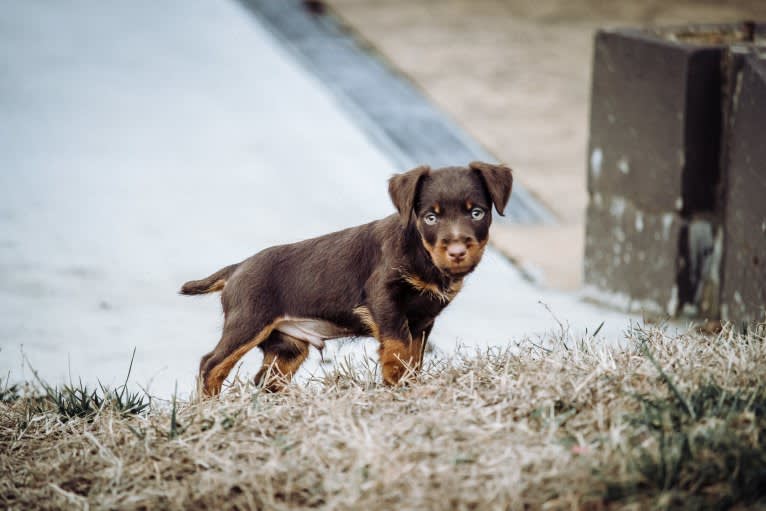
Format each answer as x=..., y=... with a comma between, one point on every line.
x=421, y=295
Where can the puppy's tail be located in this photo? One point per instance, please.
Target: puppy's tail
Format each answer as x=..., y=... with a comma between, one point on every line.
x=215, y=282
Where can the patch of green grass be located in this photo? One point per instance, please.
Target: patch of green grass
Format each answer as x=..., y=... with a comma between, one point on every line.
x=707, y=452
x=79, y=400
x=9, y=393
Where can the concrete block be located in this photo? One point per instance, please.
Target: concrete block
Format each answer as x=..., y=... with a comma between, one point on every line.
x=743, y=291
x=628, y=252
x=660, y=106
x=655, y=121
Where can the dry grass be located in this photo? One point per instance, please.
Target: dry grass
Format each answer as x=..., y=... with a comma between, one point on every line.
x=670, y=422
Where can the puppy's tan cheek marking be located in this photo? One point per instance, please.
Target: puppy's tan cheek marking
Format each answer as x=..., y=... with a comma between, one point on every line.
x=476, y=252
x=439, y=255
x=440, y=258
x=435, y=256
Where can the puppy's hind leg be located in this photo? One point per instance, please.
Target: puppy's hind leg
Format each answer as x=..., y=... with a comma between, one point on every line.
x=239, y=336
x=282, y=356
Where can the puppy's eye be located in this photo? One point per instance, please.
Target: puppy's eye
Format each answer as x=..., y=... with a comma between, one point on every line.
x=430, y=218
x=477, y=213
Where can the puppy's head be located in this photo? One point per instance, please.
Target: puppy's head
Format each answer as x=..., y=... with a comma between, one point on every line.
x=451, y=209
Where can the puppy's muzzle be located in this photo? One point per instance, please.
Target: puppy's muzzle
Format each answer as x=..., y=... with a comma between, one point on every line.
x=456, y=252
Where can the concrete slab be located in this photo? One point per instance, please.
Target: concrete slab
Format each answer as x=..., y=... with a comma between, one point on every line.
x=386, y=105
x=143, y=145
x=743, y=291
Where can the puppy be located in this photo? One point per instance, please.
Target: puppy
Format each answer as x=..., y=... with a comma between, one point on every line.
x=388, y=279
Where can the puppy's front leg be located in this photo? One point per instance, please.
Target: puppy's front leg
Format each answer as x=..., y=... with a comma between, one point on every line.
x=396, y=358
x=398, y=352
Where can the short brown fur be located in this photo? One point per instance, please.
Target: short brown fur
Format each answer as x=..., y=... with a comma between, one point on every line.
x=388, y=279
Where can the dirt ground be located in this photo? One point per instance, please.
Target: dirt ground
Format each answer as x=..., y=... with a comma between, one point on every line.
x=516, y=75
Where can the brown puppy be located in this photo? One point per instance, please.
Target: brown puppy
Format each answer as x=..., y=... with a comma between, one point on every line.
x=388, y=279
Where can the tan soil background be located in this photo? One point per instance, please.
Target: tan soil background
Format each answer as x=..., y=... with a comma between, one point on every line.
x=516, y=75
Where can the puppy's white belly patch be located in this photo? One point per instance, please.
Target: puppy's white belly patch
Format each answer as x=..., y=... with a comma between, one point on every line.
x=312, y=331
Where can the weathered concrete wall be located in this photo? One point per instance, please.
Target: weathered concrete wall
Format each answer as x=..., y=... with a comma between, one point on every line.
x=660, y=106
x=655, y=117
x=743, y=293
x=629, y=250
x=653, y=166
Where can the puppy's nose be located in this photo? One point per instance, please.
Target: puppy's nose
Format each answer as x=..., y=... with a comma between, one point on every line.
x=456, y=251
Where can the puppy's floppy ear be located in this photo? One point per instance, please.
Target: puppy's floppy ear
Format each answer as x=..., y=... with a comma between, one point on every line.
x=403, y=189
x=499, y=181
